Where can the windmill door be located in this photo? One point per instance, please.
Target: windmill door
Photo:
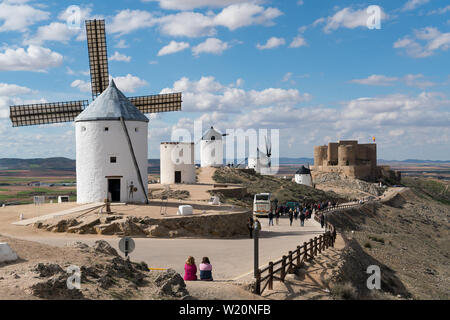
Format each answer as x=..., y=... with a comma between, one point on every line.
x=177, y=176
x=114, y=189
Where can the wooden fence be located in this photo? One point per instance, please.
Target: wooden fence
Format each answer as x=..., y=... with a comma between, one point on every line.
x=279, y=269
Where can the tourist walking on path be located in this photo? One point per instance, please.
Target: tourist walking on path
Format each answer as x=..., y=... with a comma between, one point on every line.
x=270, y=218
x=291, y=216
x=205, y=270
x=296, y=213
x=322, y=220
x=190, y=269
x=302, y=219
x=250, y=226
x=277, y=216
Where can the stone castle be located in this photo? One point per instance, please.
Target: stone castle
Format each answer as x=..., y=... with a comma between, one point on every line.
x=350, y=159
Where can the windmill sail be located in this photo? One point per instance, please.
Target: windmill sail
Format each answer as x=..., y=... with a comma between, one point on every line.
x=98, y=58
x=45, y=113
x=158, y=103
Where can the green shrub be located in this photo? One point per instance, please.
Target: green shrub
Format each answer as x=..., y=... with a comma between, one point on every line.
x=344, y=291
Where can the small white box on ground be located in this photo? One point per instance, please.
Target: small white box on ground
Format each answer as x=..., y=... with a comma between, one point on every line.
x=6, y=253
x=63, y=199
x=214, y=200
x=185, y=210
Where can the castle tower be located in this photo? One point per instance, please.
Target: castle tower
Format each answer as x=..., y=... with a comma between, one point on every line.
x=211, y=149
x=177, y=162
x=111, y=133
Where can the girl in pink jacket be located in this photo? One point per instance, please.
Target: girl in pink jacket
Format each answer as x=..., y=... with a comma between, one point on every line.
x=190, y=269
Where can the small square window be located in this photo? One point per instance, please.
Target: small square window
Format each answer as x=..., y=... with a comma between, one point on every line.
x=83, y=128
x=106, y=128
x=136, y=129
x=113, y=159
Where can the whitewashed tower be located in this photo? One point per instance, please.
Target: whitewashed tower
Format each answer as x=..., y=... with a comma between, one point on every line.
x=105, y=164
x=211, y=149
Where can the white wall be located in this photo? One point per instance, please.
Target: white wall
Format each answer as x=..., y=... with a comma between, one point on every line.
x=211, y=153
x=95, y=146
x=177, y=157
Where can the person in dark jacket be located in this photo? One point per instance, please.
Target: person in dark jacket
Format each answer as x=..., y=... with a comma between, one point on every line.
x=302, y=219
x=270, y=216
x=205, y=270
x=291, y=216
x=322, y=220
x=250, y=226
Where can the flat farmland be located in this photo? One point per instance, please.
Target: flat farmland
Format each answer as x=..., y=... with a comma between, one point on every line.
x=19, y=186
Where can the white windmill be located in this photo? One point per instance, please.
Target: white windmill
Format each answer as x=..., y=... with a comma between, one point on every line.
x=111, y=132
x=211, y=148
x=262, y=163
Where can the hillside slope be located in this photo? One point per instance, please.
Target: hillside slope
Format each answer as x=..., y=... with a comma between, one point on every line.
x=407, y=236
x=281, y=189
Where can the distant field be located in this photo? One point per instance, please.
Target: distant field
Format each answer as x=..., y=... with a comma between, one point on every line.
x=14, y=185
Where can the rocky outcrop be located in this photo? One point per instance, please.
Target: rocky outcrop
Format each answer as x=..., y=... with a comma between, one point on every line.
x=219, y=225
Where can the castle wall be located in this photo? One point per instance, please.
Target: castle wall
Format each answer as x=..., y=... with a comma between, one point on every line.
x=332, y=153
x=346, y=155
x=320, y=155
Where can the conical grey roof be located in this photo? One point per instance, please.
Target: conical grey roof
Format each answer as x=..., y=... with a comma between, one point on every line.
x=111, y=105
x=303, y=170
x=212, y=134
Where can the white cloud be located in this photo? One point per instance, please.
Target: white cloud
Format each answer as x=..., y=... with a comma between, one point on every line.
x=412, y=80
x=347, y=18
x=195, y=24
x=34, y=58
x=19, y=17
x=424, y=43
x=300, y=2
x=207, y=94
x=440, y=10
x=82, y=85
x=287, y=77
x=413, y=4
x=376, y=80
x=55, y=31
x=210, y=45
x=127, y=21
x=245, y=14
x=297, y=42
x=173, y=47
x=119, y=57
x=271, y=43
x=193, y=4
x=129, y=83
x=7, y=89
x=121, y=44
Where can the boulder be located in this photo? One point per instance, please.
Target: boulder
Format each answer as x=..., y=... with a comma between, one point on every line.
x=6, y=253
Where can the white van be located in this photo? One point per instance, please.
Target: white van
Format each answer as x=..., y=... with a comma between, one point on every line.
x=261, y=204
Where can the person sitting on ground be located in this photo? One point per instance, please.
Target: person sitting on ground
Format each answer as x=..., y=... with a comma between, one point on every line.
x=190, y=269
x=205, y=270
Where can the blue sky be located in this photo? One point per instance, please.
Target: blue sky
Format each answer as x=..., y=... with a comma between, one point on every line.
x=312, y=69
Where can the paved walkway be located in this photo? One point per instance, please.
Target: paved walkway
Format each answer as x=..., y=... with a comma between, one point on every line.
x=231, y=258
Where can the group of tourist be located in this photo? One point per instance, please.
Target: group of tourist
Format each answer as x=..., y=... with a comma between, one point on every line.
x=190, y=270
x=302, y=212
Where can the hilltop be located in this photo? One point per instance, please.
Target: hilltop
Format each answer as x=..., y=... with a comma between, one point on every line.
x=282, y=189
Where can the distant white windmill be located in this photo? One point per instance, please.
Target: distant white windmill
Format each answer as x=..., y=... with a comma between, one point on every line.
x=263, y=162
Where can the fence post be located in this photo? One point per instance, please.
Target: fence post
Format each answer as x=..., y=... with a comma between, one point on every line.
x=283, y=268
x=315, y=246
x=258, y=282
x=320, y=243
x=305, y=246
x=298, y=256
x=311, y=249
x=291, y=263
x=270, y=275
